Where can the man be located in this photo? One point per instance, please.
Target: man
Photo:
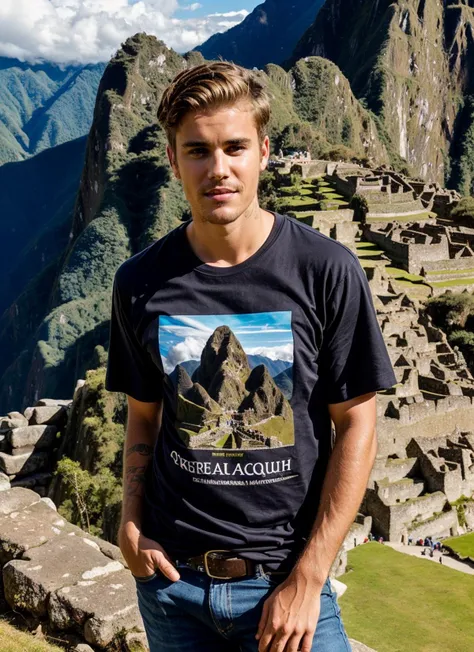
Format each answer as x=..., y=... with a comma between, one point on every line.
x=237, y=338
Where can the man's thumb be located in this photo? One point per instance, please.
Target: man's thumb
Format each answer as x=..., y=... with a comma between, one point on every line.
x=166, y=567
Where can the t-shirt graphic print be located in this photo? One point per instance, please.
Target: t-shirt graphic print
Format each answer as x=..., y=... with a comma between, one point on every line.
x=245, y=361
x=232, y=377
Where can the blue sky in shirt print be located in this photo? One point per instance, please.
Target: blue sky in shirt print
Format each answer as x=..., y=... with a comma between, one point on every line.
x=183, y=337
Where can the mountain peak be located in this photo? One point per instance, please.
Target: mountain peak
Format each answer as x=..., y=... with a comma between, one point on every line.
x=267, y=35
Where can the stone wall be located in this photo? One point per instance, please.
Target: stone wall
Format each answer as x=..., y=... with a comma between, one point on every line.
x=28, y=442
x=73, y=583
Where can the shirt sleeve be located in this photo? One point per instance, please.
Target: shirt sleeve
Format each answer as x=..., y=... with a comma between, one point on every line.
x=130, y=368
x=354, y=357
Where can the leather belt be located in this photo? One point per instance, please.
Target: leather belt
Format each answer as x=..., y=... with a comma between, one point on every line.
x=218, y=565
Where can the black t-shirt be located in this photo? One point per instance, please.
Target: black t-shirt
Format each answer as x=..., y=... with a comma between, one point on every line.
x=246, y=359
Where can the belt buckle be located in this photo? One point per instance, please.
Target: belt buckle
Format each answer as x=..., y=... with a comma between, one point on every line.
x=206, y=565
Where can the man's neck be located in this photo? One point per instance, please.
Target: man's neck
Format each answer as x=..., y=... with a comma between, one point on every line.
x=230, y=244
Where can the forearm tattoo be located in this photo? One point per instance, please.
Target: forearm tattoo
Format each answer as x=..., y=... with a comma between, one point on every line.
x=135, y=474
x=143, y=449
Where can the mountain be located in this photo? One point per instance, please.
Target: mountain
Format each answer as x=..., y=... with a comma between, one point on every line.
x=224, y=367
x=410, y=62
x=273, y=366
x=228, y=405
x=284, y=381
x=127, y=198
x=37, y=202
x=267, y=35
x=44, y=105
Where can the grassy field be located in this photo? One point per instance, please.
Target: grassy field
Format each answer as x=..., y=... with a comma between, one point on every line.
x=13, y=640
x=463, y=545
x=398, y=603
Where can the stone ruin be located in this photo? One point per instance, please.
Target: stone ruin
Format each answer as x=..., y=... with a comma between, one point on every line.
x=26, y=442
x=438, y=252
x=425, y=457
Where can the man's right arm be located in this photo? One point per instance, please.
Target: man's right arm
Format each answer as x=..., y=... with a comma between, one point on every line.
x=143, y=555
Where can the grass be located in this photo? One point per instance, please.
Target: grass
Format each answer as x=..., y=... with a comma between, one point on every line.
x=14, y=640
x=470, y=270
x=458, y=281
x=396, y=603
x=278, y=427
x=403, y=275
x=463, y=545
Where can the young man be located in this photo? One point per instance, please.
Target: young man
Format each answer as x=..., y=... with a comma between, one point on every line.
x=237, y=338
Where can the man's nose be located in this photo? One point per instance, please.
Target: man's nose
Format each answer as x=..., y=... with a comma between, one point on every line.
x=218, y=165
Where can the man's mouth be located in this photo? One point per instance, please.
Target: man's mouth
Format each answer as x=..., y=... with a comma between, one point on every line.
x=220, y=193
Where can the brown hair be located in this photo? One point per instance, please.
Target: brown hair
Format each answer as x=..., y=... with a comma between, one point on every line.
x=211, y=85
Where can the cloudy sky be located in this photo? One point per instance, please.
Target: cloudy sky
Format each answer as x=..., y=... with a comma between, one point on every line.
x=183, y=337
x=88, y=31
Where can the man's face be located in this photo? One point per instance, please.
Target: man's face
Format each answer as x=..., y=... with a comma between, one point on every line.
x=218, y=159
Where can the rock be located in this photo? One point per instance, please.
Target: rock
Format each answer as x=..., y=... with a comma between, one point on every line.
x=32, y=526
x=53, y=402
x=47, y=415
x=103, y=606
x=49, y=502
x=15, y=500
x=108, y=549
x=40, y=436
x=338, y=587
x=60, y=562
x=7, y=423
x=136, y=642
x=23, y=464
x=17, y=416
x=79, y=385
x=22, y=451
x=4, y=482
x=82, y=647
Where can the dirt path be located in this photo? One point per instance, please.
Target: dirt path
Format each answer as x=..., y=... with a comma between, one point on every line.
x=415, y=551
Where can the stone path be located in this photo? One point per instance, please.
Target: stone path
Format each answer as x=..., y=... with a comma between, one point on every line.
x=415, y=551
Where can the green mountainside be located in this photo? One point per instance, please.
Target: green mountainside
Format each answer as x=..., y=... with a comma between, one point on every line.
x=44, y=105
x=267, y=35
x=37, y=199
x=411, y=63
x=127, y=198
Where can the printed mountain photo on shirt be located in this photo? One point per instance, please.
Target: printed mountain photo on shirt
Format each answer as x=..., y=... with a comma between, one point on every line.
x=233, y=378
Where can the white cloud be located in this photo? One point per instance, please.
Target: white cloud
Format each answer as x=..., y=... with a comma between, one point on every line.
x=189, y=349
x=284, y=352
x=88, y=31
x=192, y=7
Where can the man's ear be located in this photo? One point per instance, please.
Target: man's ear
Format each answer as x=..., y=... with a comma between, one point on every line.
x=172, y=159
x=264, y=153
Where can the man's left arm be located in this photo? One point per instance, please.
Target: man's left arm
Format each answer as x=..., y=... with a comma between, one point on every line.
x=291, y=613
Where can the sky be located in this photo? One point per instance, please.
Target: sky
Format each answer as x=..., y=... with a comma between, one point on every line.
x=89, y=31
x=183, y=337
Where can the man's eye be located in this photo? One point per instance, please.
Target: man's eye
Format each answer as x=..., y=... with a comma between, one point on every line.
x=199, y=151
x=235, y=148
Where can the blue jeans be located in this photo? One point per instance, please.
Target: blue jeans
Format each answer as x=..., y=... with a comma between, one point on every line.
x=201, y=614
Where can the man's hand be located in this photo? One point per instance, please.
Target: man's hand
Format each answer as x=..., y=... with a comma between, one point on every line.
x=290, y=616
x=144, y=555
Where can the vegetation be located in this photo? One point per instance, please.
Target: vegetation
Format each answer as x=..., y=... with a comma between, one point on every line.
x=13, y=640
x=463, y=545
x=89, y=471
x=411, y=598
x=454, y=313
